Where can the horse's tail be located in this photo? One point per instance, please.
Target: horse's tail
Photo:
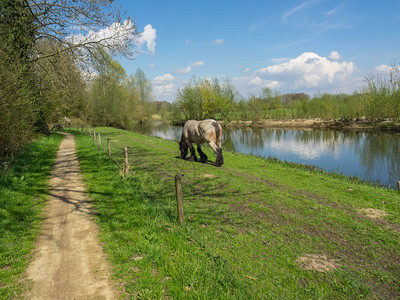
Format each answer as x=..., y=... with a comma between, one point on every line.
x=218, y=133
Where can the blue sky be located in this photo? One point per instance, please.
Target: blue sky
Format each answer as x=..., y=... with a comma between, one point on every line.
x=312, y=46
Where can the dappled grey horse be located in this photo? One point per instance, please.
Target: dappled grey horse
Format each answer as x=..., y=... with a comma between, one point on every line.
x=199, y=132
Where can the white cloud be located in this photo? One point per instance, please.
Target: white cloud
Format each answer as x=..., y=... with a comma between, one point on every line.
x=148, y=37
x=162, y=79
x=247, y=70
x=386, y=69
x=309, y=70
x=217, y=42
x=335, y=56
x=189, y=68
x=152, y=65
x=164, y=92
x=279, y=60
x=253, y=84
x=117, y=35
x=164, y=88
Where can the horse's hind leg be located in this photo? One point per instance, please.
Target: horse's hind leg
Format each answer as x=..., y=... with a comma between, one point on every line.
x=192, y=153
x=217, y=149
x=203, y=156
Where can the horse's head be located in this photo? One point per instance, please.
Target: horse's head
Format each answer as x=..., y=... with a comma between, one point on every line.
x=183, y=147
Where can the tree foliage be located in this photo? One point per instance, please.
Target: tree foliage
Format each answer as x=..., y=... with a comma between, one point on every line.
x=114, y=98
x=39, y=79
x=203, y=98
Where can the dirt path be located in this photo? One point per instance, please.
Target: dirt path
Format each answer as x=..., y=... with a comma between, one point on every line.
x=68, y=260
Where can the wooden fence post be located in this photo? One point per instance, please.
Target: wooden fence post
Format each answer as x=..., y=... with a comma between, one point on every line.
x=179, y=196
x=126, y=163
x=398, y=186
x=90, y=132
x=99, y=139
x=94, y=135
x=109, y=147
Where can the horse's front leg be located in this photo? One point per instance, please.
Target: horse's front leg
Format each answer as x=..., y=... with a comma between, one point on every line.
x=217, y=149
x=192, y=153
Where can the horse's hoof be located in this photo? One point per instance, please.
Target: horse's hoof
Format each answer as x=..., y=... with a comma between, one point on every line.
x=191, y=159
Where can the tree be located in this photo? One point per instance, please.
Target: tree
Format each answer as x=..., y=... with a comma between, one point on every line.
x=216, y=99
x=204, y=99
x=106, y=91
x=188, y=101
x=19, y=93
x=36, y=38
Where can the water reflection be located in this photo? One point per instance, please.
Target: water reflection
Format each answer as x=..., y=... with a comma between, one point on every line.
x=369, y=155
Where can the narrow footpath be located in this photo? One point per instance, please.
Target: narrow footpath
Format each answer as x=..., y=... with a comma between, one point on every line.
x=68, y=261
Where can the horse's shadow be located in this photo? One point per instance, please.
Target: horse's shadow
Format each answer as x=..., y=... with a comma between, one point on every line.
x=209, y=162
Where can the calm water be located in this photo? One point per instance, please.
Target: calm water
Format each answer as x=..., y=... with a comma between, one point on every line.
x=371, y=156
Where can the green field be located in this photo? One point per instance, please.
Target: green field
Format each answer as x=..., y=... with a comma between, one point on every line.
x=251, y=227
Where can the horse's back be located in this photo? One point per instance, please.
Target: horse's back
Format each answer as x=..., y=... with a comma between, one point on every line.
x=203, y=131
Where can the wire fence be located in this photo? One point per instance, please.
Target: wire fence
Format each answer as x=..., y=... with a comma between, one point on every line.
x=121, y=157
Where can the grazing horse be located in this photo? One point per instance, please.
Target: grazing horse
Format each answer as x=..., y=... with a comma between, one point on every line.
x=198, y=132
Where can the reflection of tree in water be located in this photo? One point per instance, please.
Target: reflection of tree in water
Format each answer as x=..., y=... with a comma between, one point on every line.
x=332, y=140
x=238, y=139
x=159, y=129
x=380, y=153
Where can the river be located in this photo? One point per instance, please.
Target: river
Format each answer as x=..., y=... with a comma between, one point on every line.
x=371, y=156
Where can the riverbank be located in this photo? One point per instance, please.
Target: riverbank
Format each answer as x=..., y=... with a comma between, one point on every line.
x=319, y=124
x=254, y=228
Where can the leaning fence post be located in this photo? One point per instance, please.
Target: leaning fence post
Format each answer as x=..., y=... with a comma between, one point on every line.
x=179, y=196
x=126, y=163
x=99, y=140
x=109, y=147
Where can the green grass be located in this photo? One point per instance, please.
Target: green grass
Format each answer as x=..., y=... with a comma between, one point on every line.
x=246, y=225
x=23, y=192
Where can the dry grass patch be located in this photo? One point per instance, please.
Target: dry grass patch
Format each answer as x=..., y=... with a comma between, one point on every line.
x=208, y=176
x=374, y=213
x=320, y=263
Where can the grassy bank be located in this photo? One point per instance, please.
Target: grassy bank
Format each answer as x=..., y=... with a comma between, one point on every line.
x=23, y=191
x=251, y=227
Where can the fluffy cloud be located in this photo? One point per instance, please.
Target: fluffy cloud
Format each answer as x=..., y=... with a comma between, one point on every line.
x=309, y=70
x=117, y=35
x=190, y=67
x=385, y=69
x=253, y=84
x=162, y=79
x=335, y=56
x=163, y=87
x=164, y=92
x=148, y=37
